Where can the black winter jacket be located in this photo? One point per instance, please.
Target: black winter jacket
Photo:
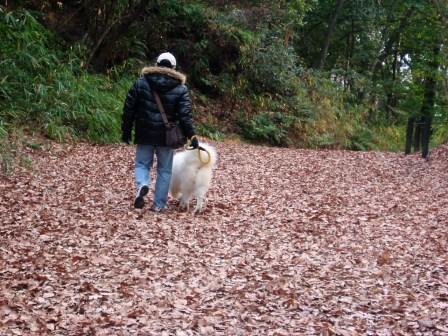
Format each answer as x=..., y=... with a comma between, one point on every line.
x=140, y=107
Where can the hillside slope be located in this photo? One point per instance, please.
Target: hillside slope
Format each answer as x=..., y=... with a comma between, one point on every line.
x=293, y=242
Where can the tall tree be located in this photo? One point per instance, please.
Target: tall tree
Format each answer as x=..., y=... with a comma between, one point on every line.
x=427, y=109
x=114, y=29
x=330, y=30
x=424, y=41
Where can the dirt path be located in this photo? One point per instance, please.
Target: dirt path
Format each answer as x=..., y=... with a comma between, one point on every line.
x=293, y=242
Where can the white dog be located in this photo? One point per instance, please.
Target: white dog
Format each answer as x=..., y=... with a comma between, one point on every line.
x=192, y=175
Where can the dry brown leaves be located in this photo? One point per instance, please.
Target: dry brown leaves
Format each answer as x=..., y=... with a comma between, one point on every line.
x=293, y=242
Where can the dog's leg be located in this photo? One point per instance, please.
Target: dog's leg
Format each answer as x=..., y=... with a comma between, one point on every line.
x=184, y=202
x=187, y=187
x=200, y=198
x=201, y=187
x=175, y=193
x=200, y=205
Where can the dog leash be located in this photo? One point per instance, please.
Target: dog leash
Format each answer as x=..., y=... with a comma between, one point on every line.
x=200, y=148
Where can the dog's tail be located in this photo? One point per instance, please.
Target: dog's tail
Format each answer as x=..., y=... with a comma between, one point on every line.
x=207, y=155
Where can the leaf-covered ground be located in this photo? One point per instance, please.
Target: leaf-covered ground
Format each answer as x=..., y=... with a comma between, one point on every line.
x=293, y=242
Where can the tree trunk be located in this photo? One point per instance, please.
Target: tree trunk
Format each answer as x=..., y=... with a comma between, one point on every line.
x=106, y=42
x=418, y=135
x=427, y=108
x=392, y=99
x=393, y=39
x=409, y=134
x=100, y=41
x=426, y=135
x=330, y=31
x=348, y=83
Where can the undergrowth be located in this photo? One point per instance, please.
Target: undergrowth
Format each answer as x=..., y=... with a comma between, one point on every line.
x=45, y=87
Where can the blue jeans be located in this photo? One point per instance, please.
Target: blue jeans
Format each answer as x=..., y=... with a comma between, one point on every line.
x=143, y=163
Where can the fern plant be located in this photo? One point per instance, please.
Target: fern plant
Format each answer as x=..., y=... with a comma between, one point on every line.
x=46, y=88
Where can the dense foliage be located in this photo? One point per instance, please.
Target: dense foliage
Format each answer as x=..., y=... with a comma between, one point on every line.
x=327, y=73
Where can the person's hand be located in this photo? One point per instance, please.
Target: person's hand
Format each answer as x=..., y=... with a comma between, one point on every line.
x=126, y=138
x=194, y=142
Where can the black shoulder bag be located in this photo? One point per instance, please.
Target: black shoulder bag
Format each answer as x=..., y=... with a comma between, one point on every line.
x=174, y=137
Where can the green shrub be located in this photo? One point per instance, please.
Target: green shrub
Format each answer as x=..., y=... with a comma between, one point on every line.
x=441, y=134
x=361, y=139
x=47, y=89
x=43, y=85
x=269, y=66
x=388, y=138
x=271, y=127
x=10, y=148
x=440, y=124
x=210, y=131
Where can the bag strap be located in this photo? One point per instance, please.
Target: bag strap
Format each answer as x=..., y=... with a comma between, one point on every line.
x=161, y=109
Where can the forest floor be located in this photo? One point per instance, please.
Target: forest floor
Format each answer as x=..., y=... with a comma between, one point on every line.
x=292, y=242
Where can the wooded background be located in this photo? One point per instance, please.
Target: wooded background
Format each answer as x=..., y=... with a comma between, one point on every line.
x=318, y=74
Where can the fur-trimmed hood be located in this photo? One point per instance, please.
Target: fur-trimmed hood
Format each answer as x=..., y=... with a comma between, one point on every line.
x=165, y=71
x=141, y=111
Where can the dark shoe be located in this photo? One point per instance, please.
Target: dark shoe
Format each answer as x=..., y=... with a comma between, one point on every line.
x=139, y=201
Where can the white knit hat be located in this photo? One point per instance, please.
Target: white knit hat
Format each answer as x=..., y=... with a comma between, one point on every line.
x=168, y=57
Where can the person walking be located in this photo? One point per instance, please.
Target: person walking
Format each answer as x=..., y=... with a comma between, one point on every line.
x=142, y=114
